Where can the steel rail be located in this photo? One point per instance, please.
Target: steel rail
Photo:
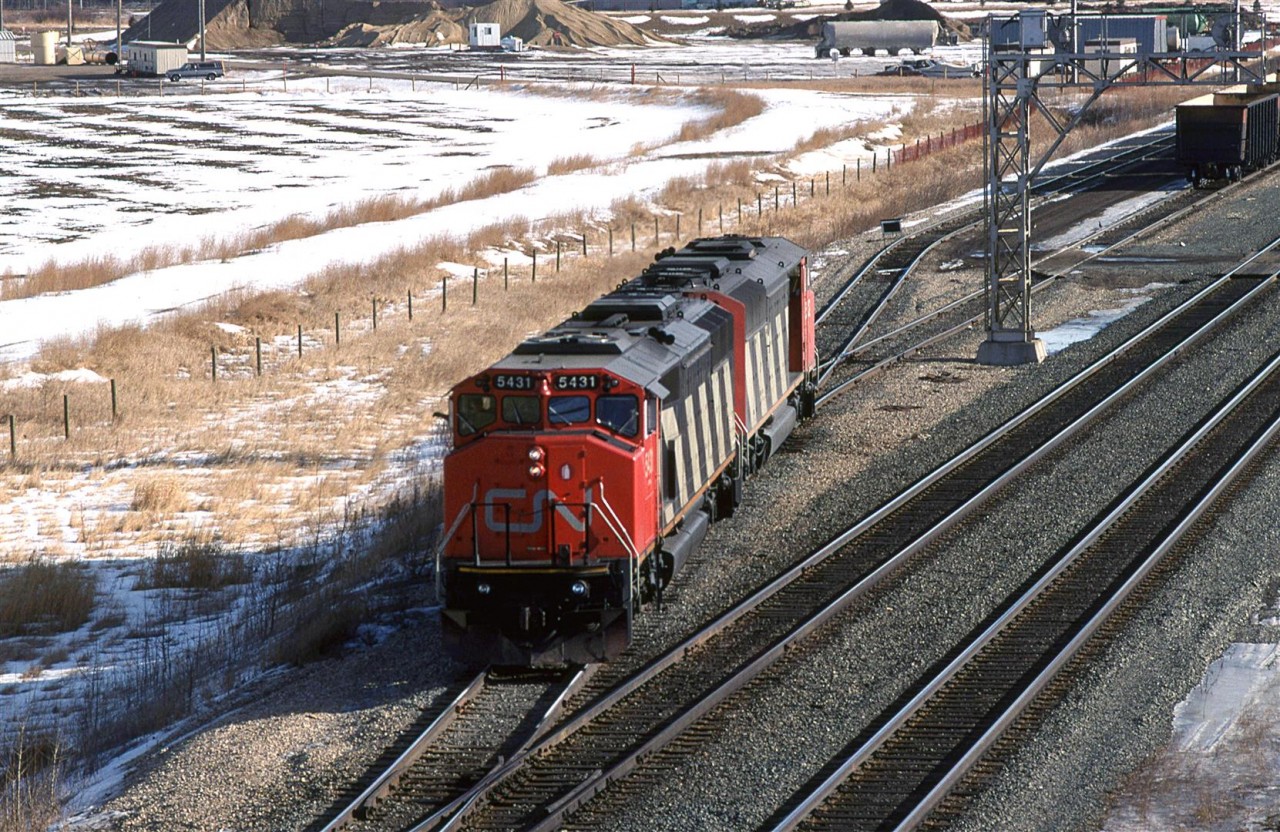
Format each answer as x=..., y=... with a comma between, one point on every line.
x=829, y=364
x=971, y=297
x=450, y=809
x=1044, y=187
x=660, y=664
x=385, y=782
x=1138, y=492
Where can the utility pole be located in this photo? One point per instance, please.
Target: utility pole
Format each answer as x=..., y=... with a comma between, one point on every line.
x=201, y=30
x=119, y=45
x=70, y=28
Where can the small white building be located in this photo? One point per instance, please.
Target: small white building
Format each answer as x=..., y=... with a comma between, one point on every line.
x=8, y=47
x=484, y=36
x=151, y=57
x=511, y=43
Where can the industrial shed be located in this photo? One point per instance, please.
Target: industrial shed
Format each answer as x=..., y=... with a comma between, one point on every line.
x=149, y=57
x=8, y=47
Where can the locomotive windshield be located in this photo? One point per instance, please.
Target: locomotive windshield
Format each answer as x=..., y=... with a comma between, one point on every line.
x=568, y=410
x=620, y=414
x=475, y=413
x=521, y=410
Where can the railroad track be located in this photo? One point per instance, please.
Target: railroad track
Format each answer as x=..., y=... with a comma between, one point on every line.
x=488, y=720
x=607, y=740
x=863, y=358
x=862, y=298
x=906, y=763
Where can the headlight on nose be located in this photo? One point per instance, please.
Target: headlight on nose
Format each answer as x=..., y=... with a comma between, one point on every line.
x=536, y=470
x=579, y=589
x=536, y=454
x=483, y=588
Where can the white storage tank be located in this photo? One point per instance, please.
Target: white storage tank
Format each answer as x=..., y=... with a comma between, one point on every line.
x=485, y=36
x=44, y=48
x=8, y=47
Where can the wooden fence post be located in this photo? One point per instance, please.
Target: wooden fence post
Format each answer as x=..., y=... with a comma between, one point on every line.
x=699, y=222
x=410, y=294
x=375, y=314
x=611, y=241
x=66, y=416
x=337, y=328
x=828, y=183
x=299, y=340
x=257, y=351
x=535, y=266
x=557, y=257
x=677, y=229
x=13, y=440
x=444, y=294
x=475, y=286
x=656, y=242
x=114, y=411
x=584, y=244
x=506, y=276
x=213, y=362
x=633, y=236
x=720, y=208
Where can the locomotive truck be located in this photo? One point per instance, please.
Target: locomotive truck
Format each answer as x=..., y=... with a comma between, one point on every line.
x=589, y=462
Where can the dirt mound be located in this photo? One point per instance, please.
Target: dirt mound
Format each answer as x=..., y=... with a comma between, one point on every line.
x=554, y=23
x=888, y=10
x=431, y=29
x=537, y=22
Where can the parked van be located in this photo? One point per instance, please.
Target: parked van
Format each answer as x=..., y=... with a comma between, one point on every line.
x=208, y=70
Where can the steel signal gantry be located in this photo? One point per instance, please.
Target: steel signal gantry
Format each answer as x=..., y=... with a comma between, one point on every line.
x=1027, y=53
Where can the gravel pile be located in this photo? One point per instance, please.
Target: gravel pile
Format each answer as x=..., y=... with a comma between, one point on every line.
x=281, y=761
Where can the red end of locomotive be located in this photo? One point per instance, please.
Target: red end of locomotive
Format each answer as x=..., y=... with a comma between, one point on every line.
x=588, y=463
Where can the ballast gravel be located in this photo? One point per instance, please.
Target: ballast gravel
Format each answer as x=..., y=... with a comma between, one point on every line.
x=285, y=758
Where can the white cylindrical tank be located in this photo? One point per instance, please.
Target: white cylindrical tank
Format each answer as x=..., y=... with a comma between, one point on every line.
x=44, y=48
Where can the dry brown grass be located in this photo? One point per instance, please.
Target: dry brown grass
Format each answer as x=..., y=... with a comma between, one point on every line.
x=732, y=107
x=569, y=164
x=44, y=596
x=30, y=776
x=162, y=494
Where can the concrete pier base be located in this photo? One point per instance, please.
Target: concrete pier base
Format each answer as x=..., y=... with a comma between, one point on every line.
x=1011, y=353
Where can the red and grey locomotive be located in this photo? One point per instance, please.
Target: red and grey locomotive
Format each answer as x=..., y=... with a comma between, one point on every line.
x=588, y=463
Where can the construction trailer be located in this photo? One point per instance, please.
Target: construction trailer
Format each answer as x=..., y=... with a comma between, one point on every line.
x=153, y=57
x=484, y=36
x=1107, y=67
x=8, y=47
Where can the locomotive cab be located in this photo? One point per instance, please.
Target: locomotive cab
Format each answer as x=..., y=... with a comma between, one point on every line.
x=539, y=561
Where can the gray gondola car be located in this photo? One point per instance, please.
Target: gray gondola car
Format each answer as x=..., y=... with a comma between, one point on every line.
x=1224, y=135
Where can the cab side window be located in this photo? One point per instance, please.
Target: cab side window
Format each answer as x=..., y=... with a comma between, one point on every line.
x=475, y=413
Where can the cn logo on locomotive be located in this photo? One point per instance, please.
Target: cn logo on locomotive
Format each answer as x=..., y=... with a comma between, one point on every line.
x=495, y=521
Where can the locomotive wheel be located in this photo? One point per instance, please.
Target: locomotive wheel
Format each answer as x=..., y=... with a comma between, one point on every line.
x=728, y=495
